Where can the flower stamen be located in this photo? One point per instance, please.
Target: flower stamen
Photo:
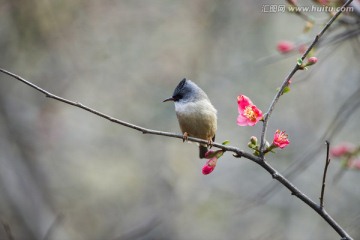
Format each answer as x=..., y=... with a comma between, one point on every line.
x=250, y=113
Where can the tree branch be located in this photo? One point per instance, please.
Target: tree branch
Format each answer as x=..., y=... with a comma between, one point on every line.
x=296, y=192
x=237, y=152
x=327, y=162
x=292, y=73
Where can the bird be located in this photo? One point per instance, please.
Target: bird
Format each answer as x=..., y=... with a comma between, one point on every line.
x=196, y=115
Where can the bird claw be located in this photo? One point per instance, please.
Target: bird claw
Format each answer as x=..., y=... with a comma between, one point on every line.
x=185, y=136
x=210, y=143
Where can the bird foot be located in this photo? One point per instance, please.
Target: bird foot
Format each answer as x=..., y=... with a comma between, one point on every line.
x=185, y=136
x=210, y=143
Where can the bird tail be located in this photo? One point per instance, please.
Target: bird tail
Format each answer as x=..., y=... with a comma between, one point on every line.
x=202, y=150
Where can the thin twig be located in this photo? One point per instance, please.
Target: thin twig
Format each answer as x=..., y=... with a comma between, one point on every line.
x=342, y=36
x=344, y=113
x=327, y=162
x=237, y=152
x=291, y=74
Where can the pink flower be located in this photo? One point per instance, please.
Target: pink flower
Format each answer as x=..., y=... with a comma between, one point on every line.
x=249, y=114
x=280, y=139
x=341, y=150
x=285, y=46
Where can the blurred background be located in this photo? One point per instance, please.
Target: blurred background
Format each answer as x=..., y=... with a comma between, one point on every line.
x=68, y=174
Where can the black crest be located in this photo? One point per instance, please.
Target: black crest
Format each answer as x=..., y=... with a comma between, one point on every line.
x=179, y=90
x=180, y=86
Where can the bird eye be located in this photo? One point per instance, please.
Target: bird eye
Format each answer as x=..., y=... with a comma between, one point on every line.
x=177, y=97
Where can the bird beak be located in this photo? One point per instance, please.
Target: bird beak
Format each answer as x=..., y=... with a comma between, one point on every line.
x=169, y=99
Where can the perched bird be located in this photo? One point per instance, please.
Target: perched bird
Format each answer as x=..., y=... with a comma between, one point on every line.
x=195, y=113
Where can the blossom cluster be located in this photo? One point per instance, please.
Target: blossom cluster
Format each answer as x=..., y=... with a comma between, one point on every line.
x=249, y=115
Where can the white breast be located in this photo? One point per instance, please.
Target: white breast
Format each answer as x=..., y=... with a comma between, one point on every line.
x=198, y=118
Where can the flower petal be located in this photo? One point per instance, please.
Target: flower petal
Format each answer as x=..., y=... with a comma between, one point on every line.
x=243, y=102
x=242, y=121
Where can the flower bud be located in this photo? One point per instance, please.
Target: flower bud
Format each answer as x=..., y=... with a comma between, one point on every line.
x=207, y=169
x=285, y=46
x=209, y=166
x=312, y=61
x=253, y=140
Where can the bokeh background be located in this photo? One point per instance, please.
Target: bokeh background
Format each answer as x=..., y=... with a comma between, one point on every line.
x=68, y=174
